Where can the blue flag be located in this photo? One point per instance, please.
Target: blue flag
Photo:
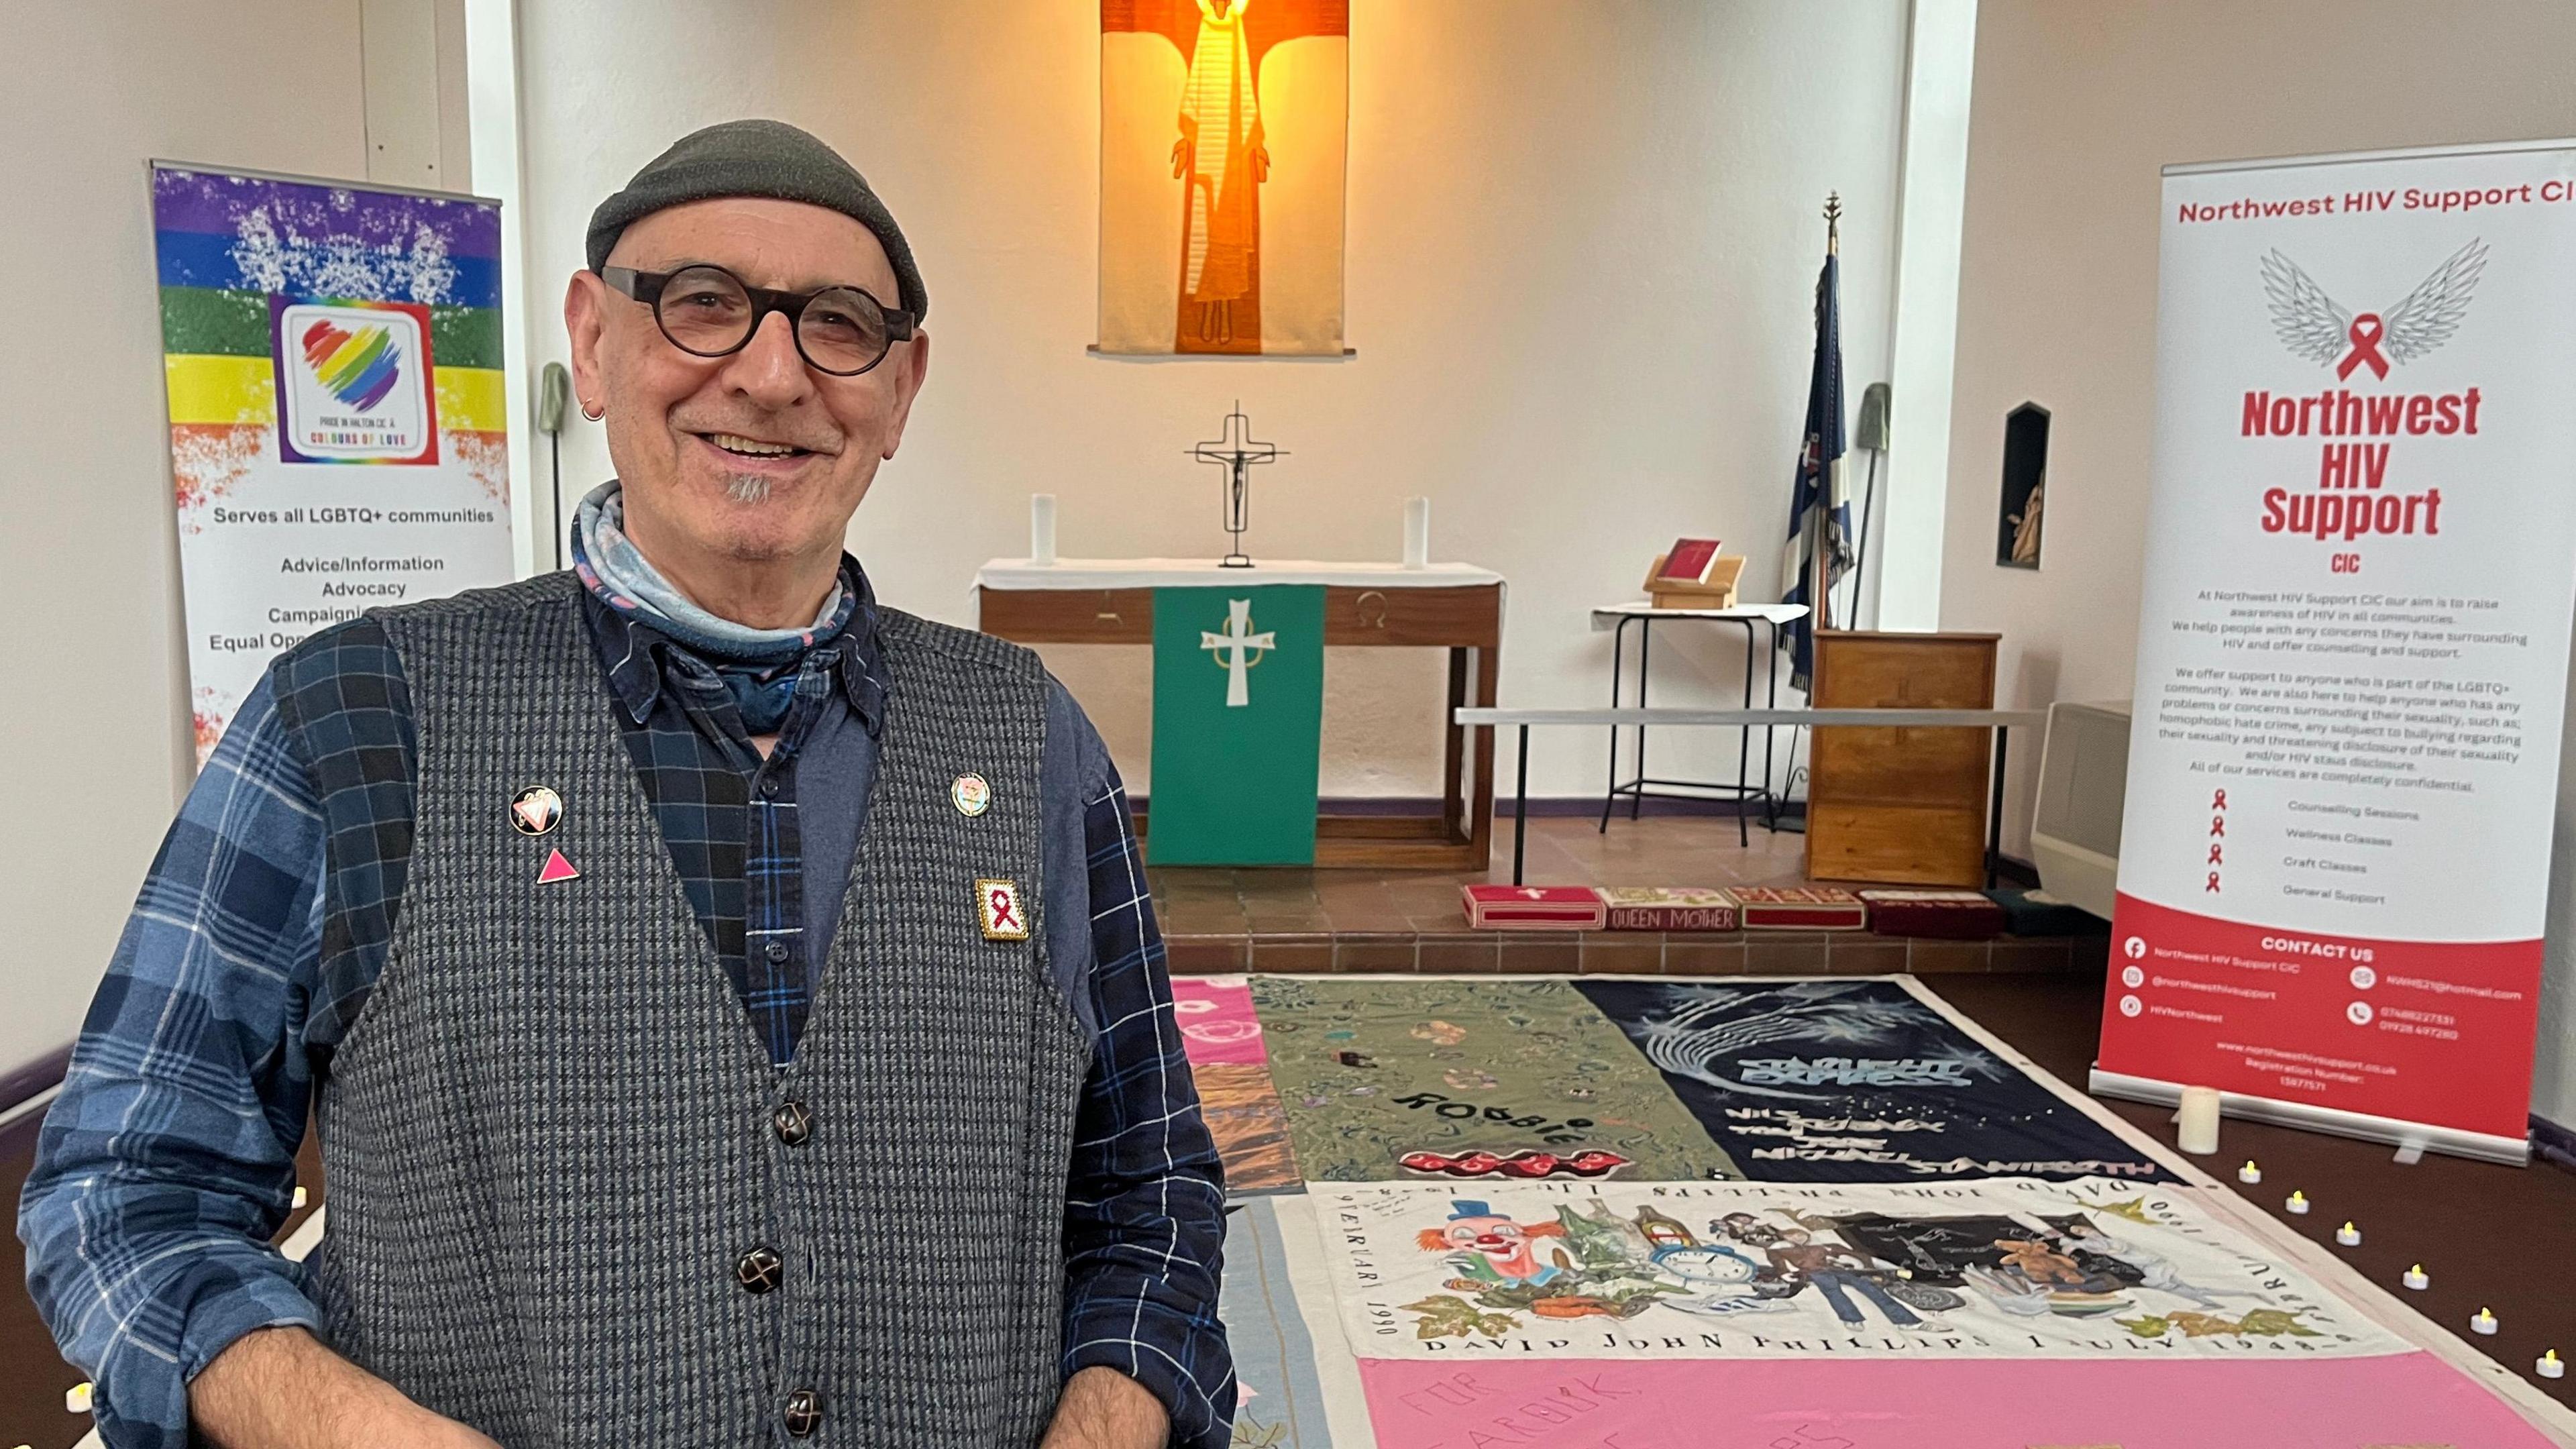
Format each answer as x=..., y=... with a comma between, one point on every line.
x=1819, y=476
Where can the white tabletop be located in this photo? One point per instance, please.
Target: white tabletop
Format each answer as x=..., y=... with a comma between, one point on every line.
x=1607, y=616
x=1147, y=573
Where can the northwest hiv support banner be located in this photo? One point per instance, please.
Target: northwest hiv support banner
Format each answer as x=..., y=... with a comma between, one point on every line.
x=2353, y=642
x=332, y=354
x=1238, y=725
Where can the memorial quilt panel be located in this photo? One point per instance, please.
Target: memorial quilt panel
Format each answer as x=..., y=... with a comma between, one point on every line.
x=1854, y=1081
x=1468, y=1079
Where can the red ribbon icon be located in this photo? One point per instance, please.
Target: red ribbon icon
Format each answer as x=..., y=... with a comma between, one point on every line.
x=2365, y=332
x=1004, y=919
x=2213, y=880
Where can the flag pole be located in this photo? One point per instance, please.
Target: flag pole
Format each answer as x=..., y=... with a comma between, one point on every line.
x=1819, y=542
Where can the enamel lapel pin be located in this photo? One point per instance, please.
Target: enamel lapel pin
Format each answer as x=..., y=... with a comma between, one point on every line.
x=534, y=811
x=998, y=902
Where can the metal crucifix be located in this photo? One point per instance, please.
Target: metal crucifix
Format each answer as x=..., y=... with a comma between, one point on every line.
x=1236, y=452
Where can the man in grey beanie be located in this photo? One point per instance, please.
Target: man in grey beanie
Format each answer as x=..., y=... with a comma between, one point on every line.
x=731, y=1007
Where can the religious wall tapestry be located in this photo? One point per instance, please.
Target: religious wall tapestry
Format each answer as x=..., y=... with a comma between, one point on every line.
x=1222, y=153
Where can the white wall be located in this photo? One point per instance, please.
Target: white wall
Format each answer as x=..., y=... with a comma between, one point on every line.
x=1582, y=243
x=93, y=733
x=2075, y=109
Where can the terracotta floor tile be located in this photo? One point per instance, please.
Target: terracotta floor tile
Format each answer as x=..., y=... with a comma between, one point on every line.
x=1928, y=958
x=1204, y=955
x=1865, y=957
x=1700, y=958
x=1544, y=956
x=1459, y=955
x=1374, y=952
x=1785, y=958
x=1293, y=954
x=1622, y=954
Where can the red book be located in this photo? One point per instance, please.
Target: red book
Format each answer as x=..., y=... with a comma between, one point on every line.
x=1689, y=562
x=1670, y=908
x=1533, y=908
x=1954, y=915
x=1821, y=908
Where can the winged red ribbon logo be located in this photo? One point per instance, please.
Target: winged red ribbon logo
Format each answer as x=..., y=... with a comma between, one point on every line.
x=2315, y=326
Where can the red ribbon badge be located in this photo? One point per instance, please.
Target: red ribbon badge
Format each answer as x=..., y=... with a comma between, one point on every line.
x=1005, y=915
x=2365, y=332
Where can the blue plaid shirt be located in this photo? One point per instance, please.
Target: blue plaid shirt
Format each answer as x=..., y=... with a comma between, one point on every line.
x=166, y=1167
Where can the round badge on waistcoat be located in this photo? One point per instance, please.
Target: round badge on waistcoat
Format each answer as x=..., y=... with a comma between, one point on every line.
x=973, y=795
x=535, y=810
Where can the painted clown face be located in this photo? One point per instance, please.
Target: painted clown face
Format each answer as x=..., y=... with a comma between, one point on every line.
x=1505, y=1245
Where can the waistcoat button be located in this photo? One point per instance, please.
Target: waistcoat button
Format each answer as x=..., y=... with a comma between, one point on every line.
x=804, y=1412
x=793, y=1121
x=775, y=950
x=759, y=1270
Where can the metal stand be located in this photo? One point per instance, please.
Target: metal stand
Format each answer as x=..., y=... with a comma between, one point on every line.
x=1642, y=785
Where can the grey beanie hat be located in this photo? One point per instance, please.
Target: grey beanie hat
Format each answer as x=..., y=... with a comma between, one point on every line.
x=756, y=158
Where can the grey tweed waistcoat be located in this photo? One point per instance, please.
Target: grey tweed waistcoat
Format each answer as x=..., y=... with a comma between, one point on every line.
x=549, y=1136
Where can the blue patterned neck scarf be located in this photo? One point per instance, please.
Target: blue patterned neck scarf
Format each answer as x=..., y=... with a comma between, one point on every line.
x=758, y=666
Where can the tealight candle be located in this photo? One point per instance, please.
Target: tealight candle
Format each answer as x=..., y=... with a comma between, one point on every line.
x=2550, y=1366
x=300, y=1198
x=2298, y=1202
x=2348, y=1235
x=76, y=1399
x=2249, y=1174
x=2415, y=1278
x=2485, y=1322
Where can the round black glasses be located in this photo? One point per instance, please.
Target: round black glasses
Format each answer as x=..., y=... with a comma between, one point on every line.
x=707, y=311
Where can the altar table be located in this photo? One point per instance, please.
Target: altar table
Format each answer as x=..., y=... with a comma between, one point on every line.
x=1457, y=607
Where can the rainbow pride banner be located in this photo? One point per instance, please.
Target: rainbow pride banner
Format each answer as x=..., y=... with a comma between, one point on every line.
x=308, y=326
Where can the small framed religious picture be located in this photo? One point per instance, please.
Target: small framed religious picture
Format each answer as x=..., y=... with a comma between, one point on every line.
x=2018, y=513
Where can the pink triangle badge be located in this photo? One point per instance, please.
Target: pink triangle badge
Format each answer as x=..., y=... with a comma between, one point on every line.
x=557, y=868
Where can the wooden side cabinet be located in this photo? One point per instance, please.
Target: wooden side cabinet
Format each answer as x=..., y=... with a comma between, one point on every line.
x=1900, y=805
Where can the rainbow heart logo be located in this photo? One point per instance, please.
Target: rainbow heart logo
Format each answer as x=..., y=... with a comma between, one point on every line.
x=359, y=366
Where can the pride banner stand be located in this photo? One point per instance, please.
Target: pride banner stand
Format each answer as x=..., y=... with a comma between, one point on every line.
x=2352, y=644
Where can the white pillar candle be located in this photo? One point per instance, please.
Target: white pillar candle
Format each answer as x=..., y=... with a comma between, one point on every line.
x=1042, y=528
x=2199, y=1119
x=1417, y=533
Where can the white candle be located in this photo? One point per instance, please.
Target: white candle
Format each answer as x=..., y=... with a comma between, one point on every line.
x=2249, y=1174
x=2550, y=1366
x=2485, y=1322
x=2298, y=1202
x=2199, y=1118
x=2348, y=1235
x=2416, y=1279
x=1417, y=533
x=1042, y=528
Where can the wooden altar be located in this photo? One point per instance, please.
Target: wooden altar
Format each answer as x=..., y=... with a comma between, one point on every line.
x=1456, y=607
